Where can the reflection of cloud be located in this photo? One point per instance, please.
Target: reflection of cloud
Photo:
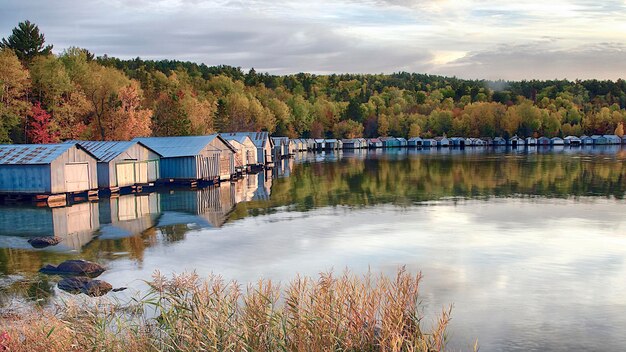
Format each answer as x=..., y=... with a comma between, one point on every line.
x=520, y=267
x=324, y=36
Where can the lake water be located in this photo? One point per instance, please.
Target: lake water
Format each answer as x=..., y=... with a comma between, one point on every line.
x=528, y=245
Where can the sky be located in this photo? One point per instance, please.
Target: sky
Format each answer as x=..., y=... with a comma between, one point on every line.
x=477, y=39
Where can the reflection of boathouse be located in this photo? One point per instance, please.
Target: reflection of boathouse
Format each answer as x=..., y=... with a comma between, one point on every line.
x=207, y=207
x=74, y=226
x=128, y=215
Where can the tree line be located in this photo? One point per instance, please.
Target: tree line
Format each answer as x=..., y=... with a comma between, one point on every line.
x=46, y=98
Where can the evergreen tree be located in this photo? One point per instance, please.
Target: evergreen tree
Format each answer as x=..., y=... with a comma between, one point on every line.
x=220, y=122
x=26, y=42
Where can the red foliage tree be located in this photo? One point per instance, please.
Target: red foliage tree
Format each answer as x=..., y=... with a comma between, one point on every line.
x=39, y=128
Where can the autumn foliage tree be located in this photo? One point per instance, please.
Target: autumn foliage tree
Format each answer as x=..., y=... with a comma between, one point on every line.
x=40, y=130
x=106, y=98
x=129, y=120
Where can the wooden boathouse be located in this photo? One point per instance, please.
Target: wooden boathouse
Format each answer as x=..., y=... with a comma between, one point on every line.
x=192, y=158
x=246, y=154
x=123, y=164
x=262, y=141
x=48, y=169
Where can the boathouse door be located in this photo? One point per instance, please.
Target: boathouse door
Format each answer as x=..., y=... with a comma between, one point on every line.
x=125, y=174
x=76, y=177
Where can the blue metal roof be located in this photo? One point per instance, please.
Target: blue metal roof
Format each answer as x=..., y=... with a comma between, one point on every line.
x=106, y=150
x=174, y=147
x=22, y=154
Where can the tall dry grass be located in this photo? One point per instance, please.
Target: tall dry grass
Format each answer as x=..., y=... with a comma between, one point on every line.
x=183, y=313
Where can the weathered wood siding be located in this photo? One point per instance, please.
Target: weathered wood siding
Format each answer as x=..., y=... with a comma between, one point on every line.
x=144, y=168
x=58, y=178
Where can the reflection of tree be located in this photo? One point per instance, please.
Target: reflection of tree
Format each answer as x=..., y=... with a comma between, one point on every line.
x=38, y=289
x=403, y=180
x=174, y=233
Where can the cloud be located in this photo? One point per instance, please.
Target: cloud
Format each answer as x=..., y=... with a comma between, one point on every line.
x=542, y=61
x=287, y=36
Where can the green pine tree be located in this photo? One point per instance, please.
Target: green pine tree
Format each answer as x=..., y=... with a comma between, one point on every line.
x=26, y=42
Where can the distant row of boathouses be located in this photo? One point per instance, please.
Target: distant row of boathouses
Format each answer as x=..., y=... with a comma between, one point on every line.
x=287, y=146
x=91, y=168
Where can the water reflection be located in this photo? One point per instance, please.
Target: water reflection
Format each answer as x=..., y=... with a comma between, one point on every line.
x=523, y=241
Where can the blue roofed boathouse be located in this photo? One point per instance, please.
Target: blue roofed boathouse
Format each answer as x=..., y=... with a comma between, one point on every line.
x=193, y=157
x=46, y=169
x=123, y=163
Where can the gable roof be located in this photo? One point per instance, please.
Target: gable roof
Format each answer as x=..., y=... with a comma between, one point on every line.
x=258, y=138
x=174, y=147
x=238, y=138
x=108, y=150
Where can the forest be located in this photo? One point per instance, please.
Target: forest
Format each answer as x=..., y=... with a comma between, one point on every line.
x=48, y=97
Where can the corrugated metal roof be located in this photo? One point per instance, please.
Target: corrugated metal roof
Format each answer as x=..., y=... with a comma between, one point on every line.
x=23, y=154
x=173, y=147
x=258, y=138
x=106, y=150
x=238, y=138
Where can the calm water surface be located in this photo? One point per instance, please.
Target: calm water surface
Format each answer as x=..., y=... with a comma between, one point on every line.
x=528, y=245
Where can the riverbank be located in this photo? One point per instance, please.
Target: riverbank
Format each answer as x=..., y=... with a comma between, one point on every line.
x=186, y=313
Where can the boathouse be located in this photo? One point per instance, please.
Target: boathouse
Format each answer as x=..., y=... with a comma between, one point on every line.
x=189, y=158
x=429, y=142
x=586, y=140
x=487, y=140
x=458, y=142
x=612, y=139
x=281, y=147
x=442, y=141
x=543, y=141
x=262, y=141
x=515, y=141
x=500, y=142
x=556, y=141
x=331, y=144
x=415, y=142
x=246, y=153
x=390, y=142
x=123, y=163
x=374, y=143
x=47, y=169
x=599, y=140
x=351, y=144
x=531, y=141
x=572, y=141
x=475, y=142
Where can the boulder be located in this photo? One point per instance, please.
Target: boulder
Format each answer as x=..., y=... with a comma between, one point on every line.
x=96, y=288
x=74, y=268
x=73, y=285
x=43, y=242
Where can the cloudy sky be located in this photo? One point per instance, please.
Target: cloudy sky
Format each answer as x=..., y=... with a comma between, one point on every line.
x=467, y=38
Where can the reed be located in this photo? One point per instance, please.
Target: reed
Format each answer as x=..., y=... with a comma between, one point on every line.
x=184, y=313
